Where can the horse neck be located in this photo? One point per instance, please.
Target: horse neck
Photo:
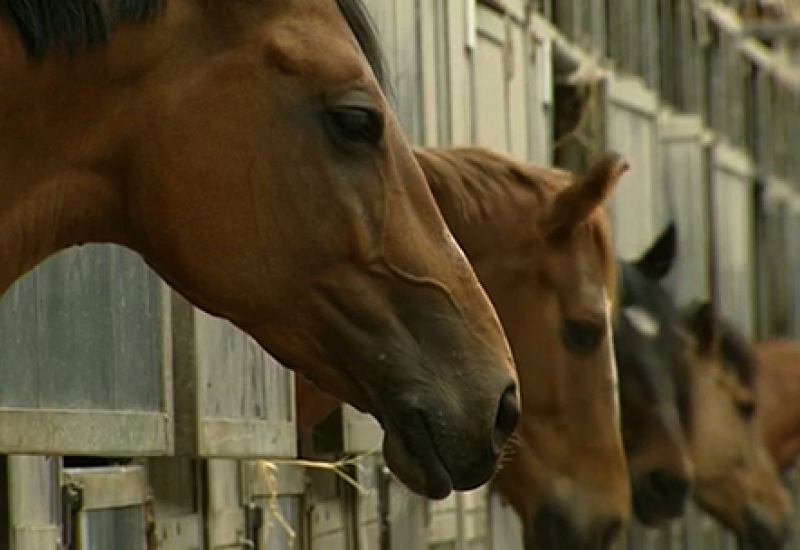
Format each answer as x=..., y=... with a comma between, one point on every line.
x=485, y=211
x=60, y=173
x=778, y=383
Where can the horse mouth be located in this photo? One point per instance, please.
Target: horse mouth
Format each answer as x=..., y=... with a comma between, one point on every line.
x=653, y=509
x=554, y=529
x=760, y=536
x=412, y=455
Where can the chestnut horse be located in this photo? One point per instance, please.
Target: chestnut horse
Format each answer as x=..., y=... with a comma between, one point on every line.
x=539, y=242
x=778, y=412
x=735, y=479
x=246, y=151
x=651, y=345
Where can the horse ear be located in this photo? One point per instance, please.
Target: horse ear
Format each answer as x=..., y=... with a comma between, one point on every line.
x=658, y=260
x=702, y=323
x=576, y=202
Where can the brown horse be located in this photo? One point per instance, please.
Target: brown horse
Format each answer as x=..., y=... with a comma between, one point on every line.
x=735, y=479
x=246, y=151
x=539, y=242
x=778, y=413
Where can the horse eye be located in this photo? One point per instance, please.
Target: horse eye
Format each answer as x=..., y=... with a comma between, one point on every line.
x=582, y=336
x=747, y=409
x=354, y=124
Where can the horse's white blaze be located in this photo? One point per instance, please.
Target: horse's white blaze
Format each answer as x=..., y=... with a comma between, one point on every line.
x=613, y=359
x=642, y=321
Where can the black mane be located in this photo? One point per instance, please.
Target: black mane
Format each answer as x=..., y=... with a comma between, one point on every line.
x=364, y=30
x=737, y=353
x=71, y=24
x=47, y=25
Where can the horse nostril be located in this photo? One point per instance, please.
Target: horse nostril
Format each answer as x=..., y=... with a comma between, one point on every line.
x=507, y=417
x=610, y=534
x=667, y=487
x=759, y=535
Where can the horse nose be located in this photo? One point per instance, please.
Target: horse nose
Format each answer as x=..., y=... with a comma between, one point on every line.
x=759, y=534
x=667, y=487
x=610, y=532
x=507, y=417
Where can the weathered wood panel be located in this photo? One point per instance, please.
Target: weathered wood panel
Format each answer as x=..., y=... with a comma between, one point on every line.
x=174, y=483
x=638, y=207
x=491, y=82
x=276, y=493
x=235, y=399
x=406, y=517
x=443, y=524
x=683, y=173
x=370, y=505
x=398, y=28
x=31, y=503
x=85, y=350
x=506, y=527
x=732, y=217
x=225, y=520
x=111, y=507
x=476, y=522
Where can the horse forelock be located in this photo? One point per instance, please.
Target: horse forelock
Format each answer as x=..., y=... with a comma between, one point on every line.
x=72, y=24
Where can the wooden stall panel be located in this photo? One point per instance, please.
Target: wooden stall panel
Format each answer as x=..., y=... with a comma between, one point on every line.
x=519, y=107
x=583, y=21
x=638, y=206
x=362, y=433
x=505, y=526
x=683, y=173
x=538, y=58
x=177, y=513
x=109, y=509
x=85, y=355
x=733, y=210
x=443, y=524
x=774, y=269
x=406, y=517
x=492, y=58
x=328, y=526
x=397, y=23
x=225, y=521
x=32, y=497
x=370, y=510
x=275, y=494
x=461, y=40
x=434, y=27
x=235, y=401
x=246, y=397
x=475, y=522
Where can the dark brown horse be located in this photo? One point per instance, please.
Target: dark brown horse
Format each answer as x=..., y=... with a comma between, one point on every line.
x=539, y=242
x=778, y=413
x=246, y=151
x=651, y=345
x=735, y=479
